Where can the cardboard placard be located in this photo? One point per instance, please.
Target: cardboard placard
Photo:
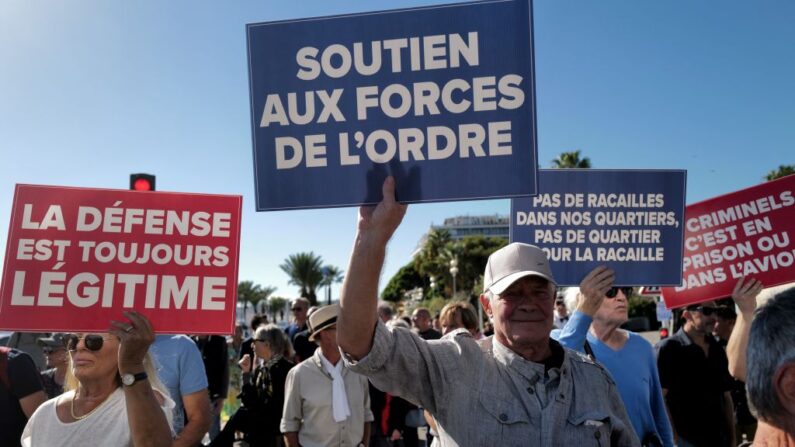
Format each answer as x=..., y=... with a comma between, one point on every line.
x=77, y=258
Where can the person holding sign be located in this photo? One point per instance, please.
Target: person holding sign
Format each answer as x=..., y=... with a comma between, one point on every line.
x=114, y=394
x=493, y=392
x=695, y=376
x=628, y=356
x=760, y=352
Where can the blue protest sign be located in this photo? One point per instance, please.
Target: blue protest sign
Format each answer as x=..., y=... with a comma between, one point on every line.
x=441, y=97
x=629, y=220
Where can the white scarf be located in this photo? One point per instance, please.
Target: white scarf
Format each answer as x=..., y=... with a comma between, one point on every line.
x=339, y=399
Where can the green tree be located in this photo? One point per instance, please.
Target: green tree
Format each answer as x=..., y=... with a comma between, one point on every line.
x=571, y=160
x=407, y=278
x=247, y=293
x=276, y=305
x=430, y=260
x=781, y=171
x=473, y=252
x=305, y=271
x=262, y=300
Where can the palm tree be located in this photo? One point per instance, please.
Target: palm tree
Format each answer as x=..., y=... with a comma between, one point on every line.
x=782, y=171
x=247, y=292
x=571, y=160
x=276, y=305
x=305, y=271
x=331, y=275
x=428, y=261
x=262, y=299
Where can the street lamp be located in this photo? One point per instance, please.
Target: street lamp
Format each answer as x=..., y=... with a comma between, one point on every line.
x=433, y=284
x=454, y=271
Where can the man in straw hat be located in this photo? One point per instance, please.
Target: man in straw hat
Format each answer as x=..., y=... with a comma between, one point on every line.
x=326, y=404
x=518, y=387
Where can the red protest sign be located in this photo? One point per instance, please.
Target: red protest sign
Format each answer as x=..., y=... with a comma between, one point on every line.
x=77, y=258
x=747, y=233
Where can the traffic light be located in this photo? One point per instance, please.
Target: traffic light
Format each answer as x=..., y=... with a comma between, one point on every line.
x=142, y=182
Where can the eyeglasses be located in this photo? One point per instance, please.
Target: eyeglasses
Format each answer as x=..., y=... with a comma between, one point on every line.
x=296, y=309
x=705, y=310
x=613, y=292
x=92, y=342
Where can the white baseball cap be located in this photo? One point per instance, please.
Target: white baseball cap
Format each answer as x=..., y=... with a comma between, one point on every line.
x=513, y=262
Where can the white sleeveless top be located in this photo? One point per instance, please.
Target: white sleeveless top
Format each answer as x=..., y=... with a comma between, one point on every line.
x=106, y=426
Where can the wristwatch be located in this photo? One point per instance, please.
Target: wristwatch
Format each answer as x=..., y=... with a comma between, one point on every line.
x=129, y=379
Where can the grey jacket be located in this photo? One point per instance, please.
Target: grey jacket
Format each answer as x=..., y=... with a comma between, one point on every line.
x=483, y=394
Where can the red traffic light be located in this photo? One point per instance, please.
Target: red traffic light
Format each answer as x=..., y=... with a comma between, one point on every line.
x=142, y=182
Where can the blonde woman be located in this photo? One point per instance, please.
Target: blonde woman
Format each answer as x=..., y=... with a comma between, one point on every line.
x=113, y=397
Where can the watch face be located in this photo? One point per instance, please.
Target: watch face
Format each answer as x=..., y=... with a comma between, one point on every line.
x=128, y=379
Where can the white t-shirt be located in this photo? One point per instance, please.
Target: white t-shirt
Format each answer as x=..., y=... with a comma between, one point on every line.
x=106, y=426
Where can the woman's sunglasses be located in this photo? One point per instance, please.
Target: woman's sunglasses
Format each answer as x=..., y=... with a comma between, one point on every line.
x=614, y=291
x=93, y=342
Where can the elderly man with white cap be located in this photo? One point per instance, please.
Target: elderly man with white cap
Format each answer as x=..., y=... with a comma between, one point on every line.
x=325, y=404
x=518, y=387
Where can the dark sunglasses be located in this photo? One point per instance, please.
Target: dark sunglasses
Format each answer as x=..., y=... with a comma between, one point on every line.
x=705, y=310
x=296, y=309
x=627, y=291
x=93, y=342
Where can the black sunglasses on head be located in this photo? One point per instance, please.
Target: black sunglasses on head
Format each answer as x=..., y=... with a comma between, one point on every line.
x=93, y=342
x=627, y=291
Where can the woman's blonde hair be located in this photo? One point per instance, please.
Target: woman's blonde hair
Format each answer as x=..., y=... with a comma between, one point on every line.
x=468, y=315
x=150, y=367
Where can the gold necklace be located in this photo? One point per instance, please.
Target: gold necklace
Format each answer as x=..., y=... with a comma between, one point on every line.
x=72, y=407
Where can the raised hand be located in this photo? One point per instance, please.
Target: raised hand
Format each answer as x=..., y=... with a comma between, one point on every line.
x=744, y=294
x=135, y=337
x=245, y=363
x=593, y=289
x=382, y=220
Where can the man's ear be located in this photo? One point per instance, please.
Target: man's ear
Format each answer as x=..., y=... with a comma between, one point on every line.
x=784, y=382
x=486, y=303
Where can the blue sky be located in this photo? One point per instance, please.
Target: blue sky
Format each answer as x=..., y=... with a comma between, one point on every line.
x=92, y=91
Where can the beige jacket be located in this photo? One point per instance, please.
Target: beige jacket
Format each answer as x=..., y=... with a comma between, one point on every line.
x=307, y=406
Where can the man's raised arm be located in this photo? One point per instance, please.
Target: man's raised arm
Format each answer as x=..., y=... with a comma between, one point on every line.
x=356, y=321
x=744, y=295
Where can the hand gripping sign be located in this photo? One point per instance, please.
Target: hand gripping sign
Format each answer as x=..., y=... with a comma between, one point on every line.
x=442, y=98
x=77, y=258
x=747, y=233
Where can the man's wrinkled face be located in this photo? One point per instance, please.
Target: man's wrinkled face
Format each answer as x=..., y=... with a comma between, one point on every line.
x=522, y=314
x=613, y=311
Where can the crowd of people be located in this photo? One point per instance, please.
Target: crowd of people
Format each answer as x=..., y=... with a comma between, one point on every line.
x=555, y=369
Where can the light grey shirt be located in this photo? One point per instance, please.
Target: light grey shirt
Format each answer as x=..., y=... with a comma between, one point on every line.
x=308, y=406
x=483, y=394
